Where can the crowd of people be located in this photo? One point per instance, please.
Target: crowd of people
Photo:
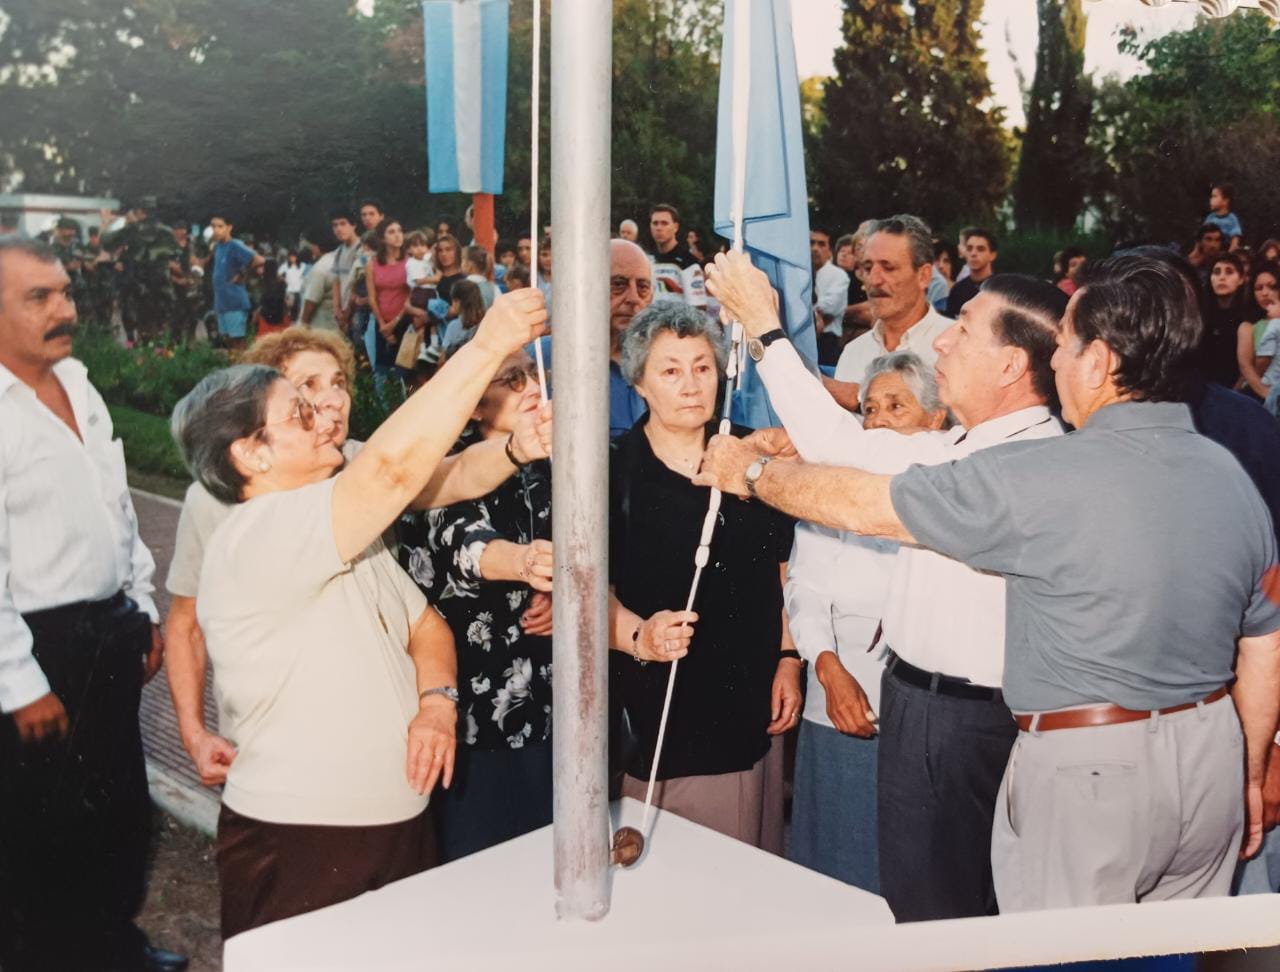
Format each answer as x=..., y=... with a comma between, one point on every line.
x=1006, y=693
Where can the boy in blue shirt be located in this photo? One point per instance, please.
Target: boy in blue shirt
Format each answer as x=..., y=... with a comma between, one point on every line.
x=232, y=260
x=1220, y=214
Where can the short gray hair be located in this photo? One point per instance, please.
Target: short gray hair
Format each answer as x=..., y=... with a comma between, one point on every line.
x=681, y=320
x=916, y=230
x=918, y=376
x=225, y=406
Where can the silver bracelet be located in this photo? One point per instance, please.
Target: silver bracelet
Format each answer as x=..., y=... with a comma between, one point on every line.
x=635, y=644
x=448, y=691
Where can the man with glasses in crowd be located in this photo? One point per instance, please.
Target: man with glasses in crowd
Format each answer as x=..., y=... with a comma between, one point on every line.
x=630, y=291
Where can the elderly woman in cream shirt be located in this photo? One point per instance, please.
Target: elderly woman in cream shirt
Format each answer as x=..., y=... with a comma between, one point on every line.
x=336, y=679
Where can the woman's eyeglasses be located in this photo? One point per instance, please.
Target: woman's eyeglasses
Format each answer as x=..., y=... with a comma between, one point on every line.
x=303, y=412
x=516, y=378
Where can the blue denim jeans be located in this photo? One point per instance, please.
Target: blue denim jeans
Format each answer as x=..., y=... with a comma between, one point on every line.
x=833, y=811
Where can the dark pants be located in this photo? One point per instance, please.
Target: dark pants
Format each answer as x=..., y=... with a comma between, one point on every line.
x=496, y=796
x=940, y=764
x=270, y=871
x=75, y=813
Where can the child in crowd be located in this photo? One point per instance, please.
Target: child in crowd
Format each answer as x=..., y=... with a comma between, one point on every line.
x=506, y=260
x=478, y=268
x=272, y=315
x=1220, y=214
x=293, y=272
x=418, y=268
x=466, y=310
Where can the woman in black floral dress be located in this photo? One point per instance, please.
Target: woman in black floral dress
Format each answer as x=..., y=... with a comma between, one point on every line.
x=486, y=566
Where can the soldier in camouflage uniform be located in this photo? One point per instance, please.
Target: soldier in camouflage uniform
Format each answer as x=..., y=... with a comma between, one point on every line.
x=189, y=283
x=150, y=257
x=66, y=244
x=100, y=278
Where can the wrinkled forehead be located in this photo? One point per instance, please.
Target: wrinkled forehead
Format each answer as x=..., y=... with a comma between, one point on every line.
x=628, y=260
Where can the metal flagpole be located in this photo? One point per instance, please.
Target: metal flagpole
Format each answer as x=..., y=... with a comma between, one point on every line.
x=581, y=93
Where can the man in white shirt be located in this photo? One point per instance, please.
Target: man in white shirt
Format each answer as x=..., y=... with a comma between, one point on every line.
x=945, y=730
x=830, y=291
x=897, y=263
x=78, y=638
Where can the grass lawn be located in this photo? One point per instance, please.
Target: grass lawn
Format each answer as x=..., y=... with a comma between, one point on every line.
x=154, y=462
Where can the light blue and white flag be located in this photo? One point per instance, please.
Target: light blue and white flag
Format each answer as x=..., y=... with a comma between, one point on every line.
x=466, y=73
x=760, y=162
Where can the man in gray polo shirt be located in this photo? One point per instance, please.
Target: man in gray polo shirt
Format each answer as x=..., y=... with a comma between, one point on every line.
x=1138, y=557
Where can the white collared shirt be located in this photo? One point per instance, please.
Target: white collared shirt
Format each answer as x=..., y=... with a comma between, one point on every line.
x=836, y=587
x=831, y=295
x=858, y=354
x=940, y=615
x=68, y=531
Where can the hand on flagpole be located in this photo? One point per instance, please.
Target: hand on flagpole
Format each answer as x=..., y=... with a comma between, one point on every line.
x=515, y=319
x=724, y=464
x=775, y=443
x=531, y=438
x=744, y=293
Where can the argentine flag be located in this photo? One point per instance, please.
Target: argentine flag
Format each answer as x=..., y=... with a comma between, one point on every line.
x=466, y=74
x=760, y=142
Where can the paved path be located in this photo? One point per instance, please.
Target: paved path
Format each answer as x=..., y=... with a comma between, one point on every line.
x=174, y=783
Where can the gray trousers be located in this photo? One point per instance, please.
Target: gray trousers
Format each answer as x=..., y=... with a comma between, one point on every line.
x=1142, y=811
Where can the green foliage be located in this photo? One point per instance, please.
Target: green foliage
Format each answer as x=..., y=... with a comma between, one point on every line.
x=147, y=444
x=905, y=126
x=1208, y=110
x=1031, y=251
x=369, y=409
x=148, y=377
x=280, y=110
x=1054, y=167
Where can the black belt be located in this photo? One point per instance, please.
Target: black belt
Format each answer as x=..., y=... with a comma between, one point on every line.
x=82, y=612
x=959, y=688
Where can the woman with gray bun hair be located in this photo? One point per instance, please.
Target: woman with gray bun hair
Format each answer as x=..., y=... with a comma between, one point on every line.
x=738, y=686
x=336, y=680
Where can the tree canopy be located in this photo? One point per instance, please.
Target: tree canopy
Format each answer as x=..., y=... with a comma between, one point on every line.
x=1054, y=164
x=280, y=110
x=1207, y=110
x=908, y=125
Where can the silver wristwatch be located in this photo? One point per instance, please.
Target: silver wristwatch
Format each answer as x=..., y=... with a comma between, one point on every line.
x=754, y=472
x=756, y=346
x=448, y=691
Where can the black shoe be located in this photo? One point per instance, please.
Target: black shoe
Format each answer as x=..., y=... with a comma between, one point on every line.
x=161, y=960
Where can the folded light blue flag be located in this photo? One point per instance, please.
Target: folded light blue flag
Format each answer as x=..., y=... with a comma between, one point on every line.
x=776, y=211
x=466, y=74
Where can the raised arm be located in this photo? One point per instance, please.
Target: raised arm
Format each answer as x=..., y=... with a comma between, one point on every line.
x=481, y=468
x=820, y=427
x=847, y=499
x=399, y=459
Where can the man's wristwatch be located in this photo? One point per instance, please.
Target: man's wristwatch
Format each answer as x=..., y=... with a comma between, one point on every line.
x=754, y=472
x=448, y=691
x=756, y=346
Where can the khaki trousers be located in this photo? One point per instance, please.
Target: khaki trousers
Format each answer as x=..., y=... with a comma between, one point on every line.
x=746, y=806
x=1141, y=811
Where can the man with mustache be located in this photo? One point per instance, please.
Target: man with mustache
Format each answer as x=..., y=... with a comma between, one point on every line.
x=78, y=638
x=897, y=264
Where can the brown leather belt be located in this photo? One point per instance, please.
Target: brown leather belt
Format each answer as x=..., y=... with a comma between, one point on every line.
x=1104, y=715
